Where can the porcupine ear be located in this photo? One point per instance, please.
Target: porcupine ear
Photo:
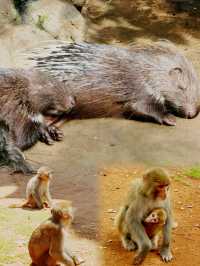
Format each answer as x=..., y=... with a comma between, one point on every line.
x=175, y=72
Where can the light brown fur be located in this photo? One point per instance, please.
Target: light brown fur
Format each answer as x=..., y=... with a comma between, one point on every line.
x=37, y=190
x=154, y=224
x=47, y=245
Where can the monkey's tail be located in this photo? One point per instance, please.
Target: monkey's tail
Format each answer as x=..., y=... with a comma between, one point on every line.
x=22, y=205
x=120, y=218
x=15, y=206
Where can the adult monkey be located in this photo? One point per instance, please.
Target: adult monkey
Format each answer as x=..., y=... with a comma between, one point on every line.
x=147, y=193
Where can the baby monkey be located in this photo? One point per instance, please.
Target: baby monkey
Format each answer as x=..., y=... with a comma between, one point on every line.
x=48, y=245
x=37, y=190
x=154, y=224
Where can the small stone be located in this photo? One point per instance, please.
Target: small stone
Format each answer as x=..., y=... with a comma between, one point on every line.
x=188, y=206
x=197, y=225
x=111, y=211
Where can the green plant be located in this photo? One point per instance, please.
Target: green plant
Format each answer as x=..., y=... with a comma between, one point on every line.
x=194, y=172
x=41, y=21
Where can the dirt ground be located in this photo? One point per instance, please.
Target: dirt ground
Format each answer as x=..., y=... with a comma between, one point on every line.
x=185, y=238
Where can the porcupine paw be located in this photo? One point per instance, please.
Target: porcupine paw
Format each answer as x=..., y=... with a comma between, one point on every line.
x=55, y=133
x=45, y=136
x=169, y=120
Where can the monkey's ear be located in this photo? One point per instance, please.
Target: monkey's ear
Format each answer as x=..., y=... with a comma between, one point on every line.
x=175, y=72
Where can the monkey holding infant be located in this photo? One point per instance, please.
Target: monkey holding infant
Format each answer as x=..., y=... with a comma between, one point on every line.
x=146, y=194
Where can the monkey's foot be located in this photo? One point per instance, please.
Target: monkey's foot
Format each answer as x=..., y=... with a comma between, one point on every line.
x=166, y=255
x=138, y=260
x=55, y=133
x=169, y=120
x=174, y=224
x=77, y=260
x=45, y=136
x=128, y=244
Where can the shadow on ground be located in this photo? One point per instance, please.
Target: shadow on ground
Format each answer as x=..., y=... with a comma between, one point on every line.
x=126, y=21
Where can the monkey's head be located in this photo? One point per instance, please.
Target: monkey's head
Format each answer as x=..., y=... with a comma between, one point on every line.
x=62, y=212
x=156, y=183
x=44, y=173
x=157, y=216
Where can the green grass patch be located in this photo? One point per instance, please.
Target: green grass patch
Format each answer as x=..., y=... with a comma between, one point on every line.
x=40, y=22
x=181, y=179
x=194, y=172
x=16, y=226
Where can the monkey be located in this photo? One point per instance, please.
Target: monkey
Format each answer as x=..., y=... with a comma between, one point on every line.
x=153, y=225
x=48, y=244
x=146, y=193
x=37, y=191
x=10, y=155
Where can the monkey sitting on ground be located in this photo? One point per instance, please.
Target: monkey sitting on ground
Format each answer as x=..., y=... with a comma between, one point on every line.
x=10, y=155
x=37, y=190
x=48, y=244
x=146, y=193
x=154, y=224
x=26, y=96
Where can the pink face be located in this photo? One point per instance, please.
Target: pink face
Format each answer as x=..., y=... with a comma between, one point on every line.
x=152, y=218
x=161, y=191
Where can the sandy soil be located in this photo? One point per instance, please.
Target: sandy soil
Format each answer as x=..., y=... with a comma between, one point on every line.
x=186, y=236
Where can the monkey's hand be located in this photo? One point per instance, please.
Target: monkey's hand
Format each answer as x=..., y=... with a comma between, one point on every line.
x=166, y=254
x=45, y=204
x=55, y=133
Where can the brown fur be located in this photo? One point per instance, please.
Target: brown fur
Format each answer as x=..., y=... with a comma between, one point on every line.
x=37, y=190
x=27, y=95
x=153, y=82
x=46, y=245
x=154, y=224
x=154, y=227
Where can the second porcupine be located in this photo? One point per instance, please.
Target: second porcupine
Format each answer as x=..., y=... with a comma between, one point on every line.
x=10, y=155
x=26, y=96
x=153, y=82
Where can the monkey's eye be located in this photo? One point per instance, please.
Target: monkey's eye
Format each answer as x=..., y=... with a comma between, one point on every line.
x=161, y=187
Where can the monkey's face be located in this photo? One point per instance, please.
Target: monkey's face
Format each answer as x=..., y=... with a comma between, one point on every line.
x=44, y=173
x=161, y=191
x=152, y=218
x=63, y=213
x=45, y=176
